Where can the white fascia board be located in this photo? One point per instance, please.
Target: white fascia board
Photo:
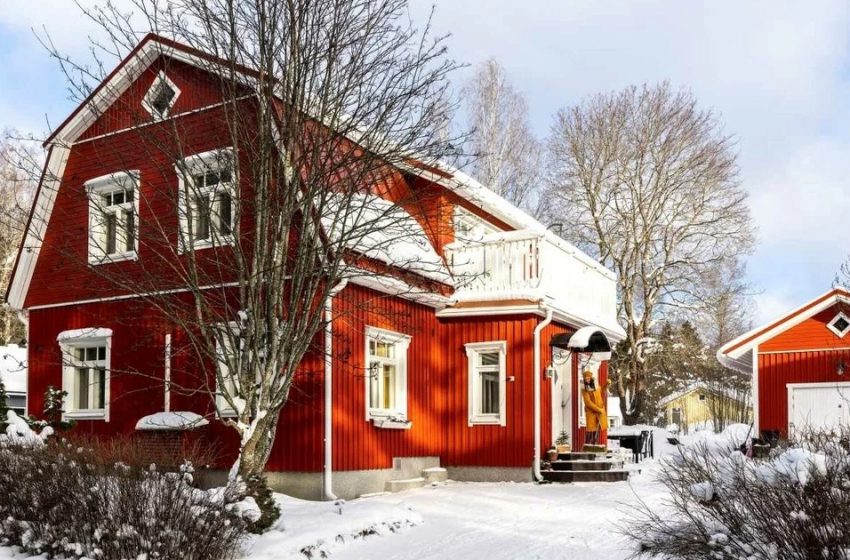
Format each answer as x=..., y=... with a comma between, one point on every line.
x=796, y=317
x=395, y=287
x=54, y=169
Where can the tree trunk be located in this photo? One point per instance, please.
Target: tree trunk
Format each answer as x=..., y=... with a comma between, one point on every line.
x=257, y=447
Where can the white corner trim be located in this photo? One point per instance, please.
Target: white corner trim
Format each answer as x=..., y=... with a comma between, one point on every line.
x=77, y=335
x=755, y=389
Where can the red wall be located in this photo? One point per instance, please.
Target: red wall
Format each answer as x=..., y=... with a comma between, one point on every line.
x=806, y=353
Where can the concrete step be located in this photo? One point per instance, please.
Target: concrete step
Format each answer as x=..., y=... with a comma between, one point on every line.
x=599, y=465
x=405, y=484
x=435, y=474
x=576, y=456
x=613, y=475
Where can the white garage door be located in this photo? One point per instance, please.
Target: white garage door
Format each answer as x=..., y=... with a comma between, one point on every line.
x=818, y=406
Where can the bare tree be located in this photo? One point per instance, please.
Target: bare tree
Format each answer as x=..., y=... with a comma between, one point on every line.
x=506, y=156
x=326, y=104
x=17, y=161
x=648, y=183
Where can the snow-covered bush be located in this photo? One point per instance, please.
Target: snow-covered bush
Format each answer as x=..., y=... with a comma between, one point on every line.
x=62, y=499
x=792, y=505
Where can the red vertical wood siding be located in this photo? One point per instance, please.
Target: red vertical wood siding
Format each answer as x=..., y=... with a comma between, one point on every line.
x=777, y=370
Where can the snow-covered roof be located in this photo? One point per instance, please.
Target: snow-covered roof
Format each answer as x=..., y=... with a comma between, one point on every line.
x=81, y=334
x=13, y=368
x=382, y=230
x=700, y=386
x=178, y=420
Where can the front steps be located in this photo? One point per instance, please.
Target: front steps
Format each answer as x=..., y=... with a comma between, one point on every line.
x=585, y=467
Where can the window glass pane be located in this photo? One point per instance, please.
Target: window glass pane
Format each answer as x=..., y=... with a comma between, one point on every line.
x=129, y=231
x=91, y=354
x=224, y=212
x=384, y=349
x=199, y=181
x=118, y=197
x=110, y=234
x=202, y=220
x=489, y=393
x=374, y=383
x=488, y=359
x=129, y=196
x=81, y=388
x=388, y=381
x=211, y=179
x=101, y=353
x=224, y=176
x=99, y=388
x=371, y=347
x=81, y=354
x=107, y=199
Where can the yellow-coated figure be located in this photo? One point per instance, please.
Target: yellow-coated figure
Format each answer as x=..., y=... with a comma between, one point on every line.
x=594, y=407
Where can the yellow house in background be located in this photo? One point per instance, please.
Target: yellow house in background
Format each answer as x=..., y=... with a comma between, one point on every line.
x=700, y=407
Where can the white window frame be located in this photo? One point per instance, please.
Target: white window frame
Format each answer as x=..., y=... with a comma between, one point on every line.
x=838, y=333
x=96, y=189
x=147, y=101
x=213, y=161
x=402, y=344
x=473, y=350
x=69, y=342
x=466, y=220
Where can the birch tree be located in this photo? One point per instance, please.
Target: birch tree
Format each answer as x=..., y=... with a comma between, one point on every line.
x=17, y=160
x=648, y=183
x=326, y=104
x=506, y=156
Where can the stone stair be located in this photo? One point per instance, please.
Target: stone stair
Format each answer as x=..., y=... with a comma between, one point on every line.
x=585, y=467
x=431, y=475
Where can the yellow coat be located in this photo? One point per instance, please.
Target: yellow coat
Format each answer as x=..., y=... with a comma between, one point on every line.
x=594, y=410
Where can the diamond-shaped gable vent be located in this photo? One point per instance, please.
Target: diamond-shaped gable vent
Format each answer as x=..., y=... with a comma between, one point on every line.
x=840, y=324
x=161, y=97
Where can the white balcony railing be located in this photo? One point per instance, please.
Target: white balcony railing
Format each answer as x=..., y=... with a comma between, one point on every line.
x=534, y=265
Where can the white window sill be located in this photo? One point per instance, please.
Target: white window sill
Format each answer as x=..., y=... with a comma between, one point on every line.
x=486, y=421
x=392, y=423
x=117, y=257
x=85, y=415
x=226, y=241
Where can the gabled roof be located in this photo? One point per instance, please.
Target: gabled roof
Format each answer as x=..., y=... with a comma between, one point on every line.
x=700, y=386
x=736, y=353
x=131, y=67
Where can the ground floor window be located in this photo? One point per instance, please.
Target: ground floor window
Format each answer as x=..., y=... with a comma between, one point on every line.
x=85, y=356
x=486, y=382
x=386, y=375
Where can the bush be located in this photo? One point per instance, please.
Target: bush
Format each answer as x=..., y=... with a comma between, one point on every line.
x=792, y=505
x=65, y=499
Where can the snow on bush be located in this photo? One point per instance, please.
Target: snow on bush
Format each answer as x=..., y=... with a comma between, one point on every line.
x=62, y=500
x=19, y=433
x=314, y=529
x=793, y=505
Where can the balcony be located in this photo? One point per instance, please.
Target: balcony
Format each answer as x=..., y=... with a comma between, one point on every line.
x=526, y=266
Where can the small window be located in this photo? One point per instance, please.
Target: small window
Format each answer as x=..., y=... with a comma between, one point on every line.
x=86, y=364
x=161, y=97
x=702, y=396
x=486, y=382
x=113, y=217
x=386, y=375
x=840, y=325
x=207, y=194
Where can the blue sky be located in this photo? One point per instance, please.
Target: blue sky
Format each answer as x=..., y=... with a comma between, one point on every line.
x=778, y=73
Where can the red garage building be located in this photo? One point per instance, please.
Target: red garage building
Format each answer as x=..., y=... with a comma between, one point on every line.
x=798, y=364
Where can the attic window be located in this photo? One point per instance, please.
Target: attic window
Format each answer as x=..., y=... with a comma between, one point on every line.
x=840, y=325
x=161, y=97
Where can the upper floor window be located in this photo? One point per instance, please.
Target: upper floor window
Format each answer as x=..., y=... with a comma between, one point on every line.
x=469, y=227
x=85, y=372
x=486, y=382
x=840, y=325
x=207, y=197
x=386, y=387
x=113, y=217
x=161, y=97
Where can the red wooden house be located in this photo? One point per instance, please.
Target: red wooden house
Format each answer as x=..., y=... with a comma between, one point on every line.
x=473, y=384
x=798, y=364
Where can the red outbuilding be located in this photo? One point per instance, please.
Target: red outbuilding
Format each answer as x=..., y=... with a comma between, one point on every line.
x=469, y=381
x=798, y=366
